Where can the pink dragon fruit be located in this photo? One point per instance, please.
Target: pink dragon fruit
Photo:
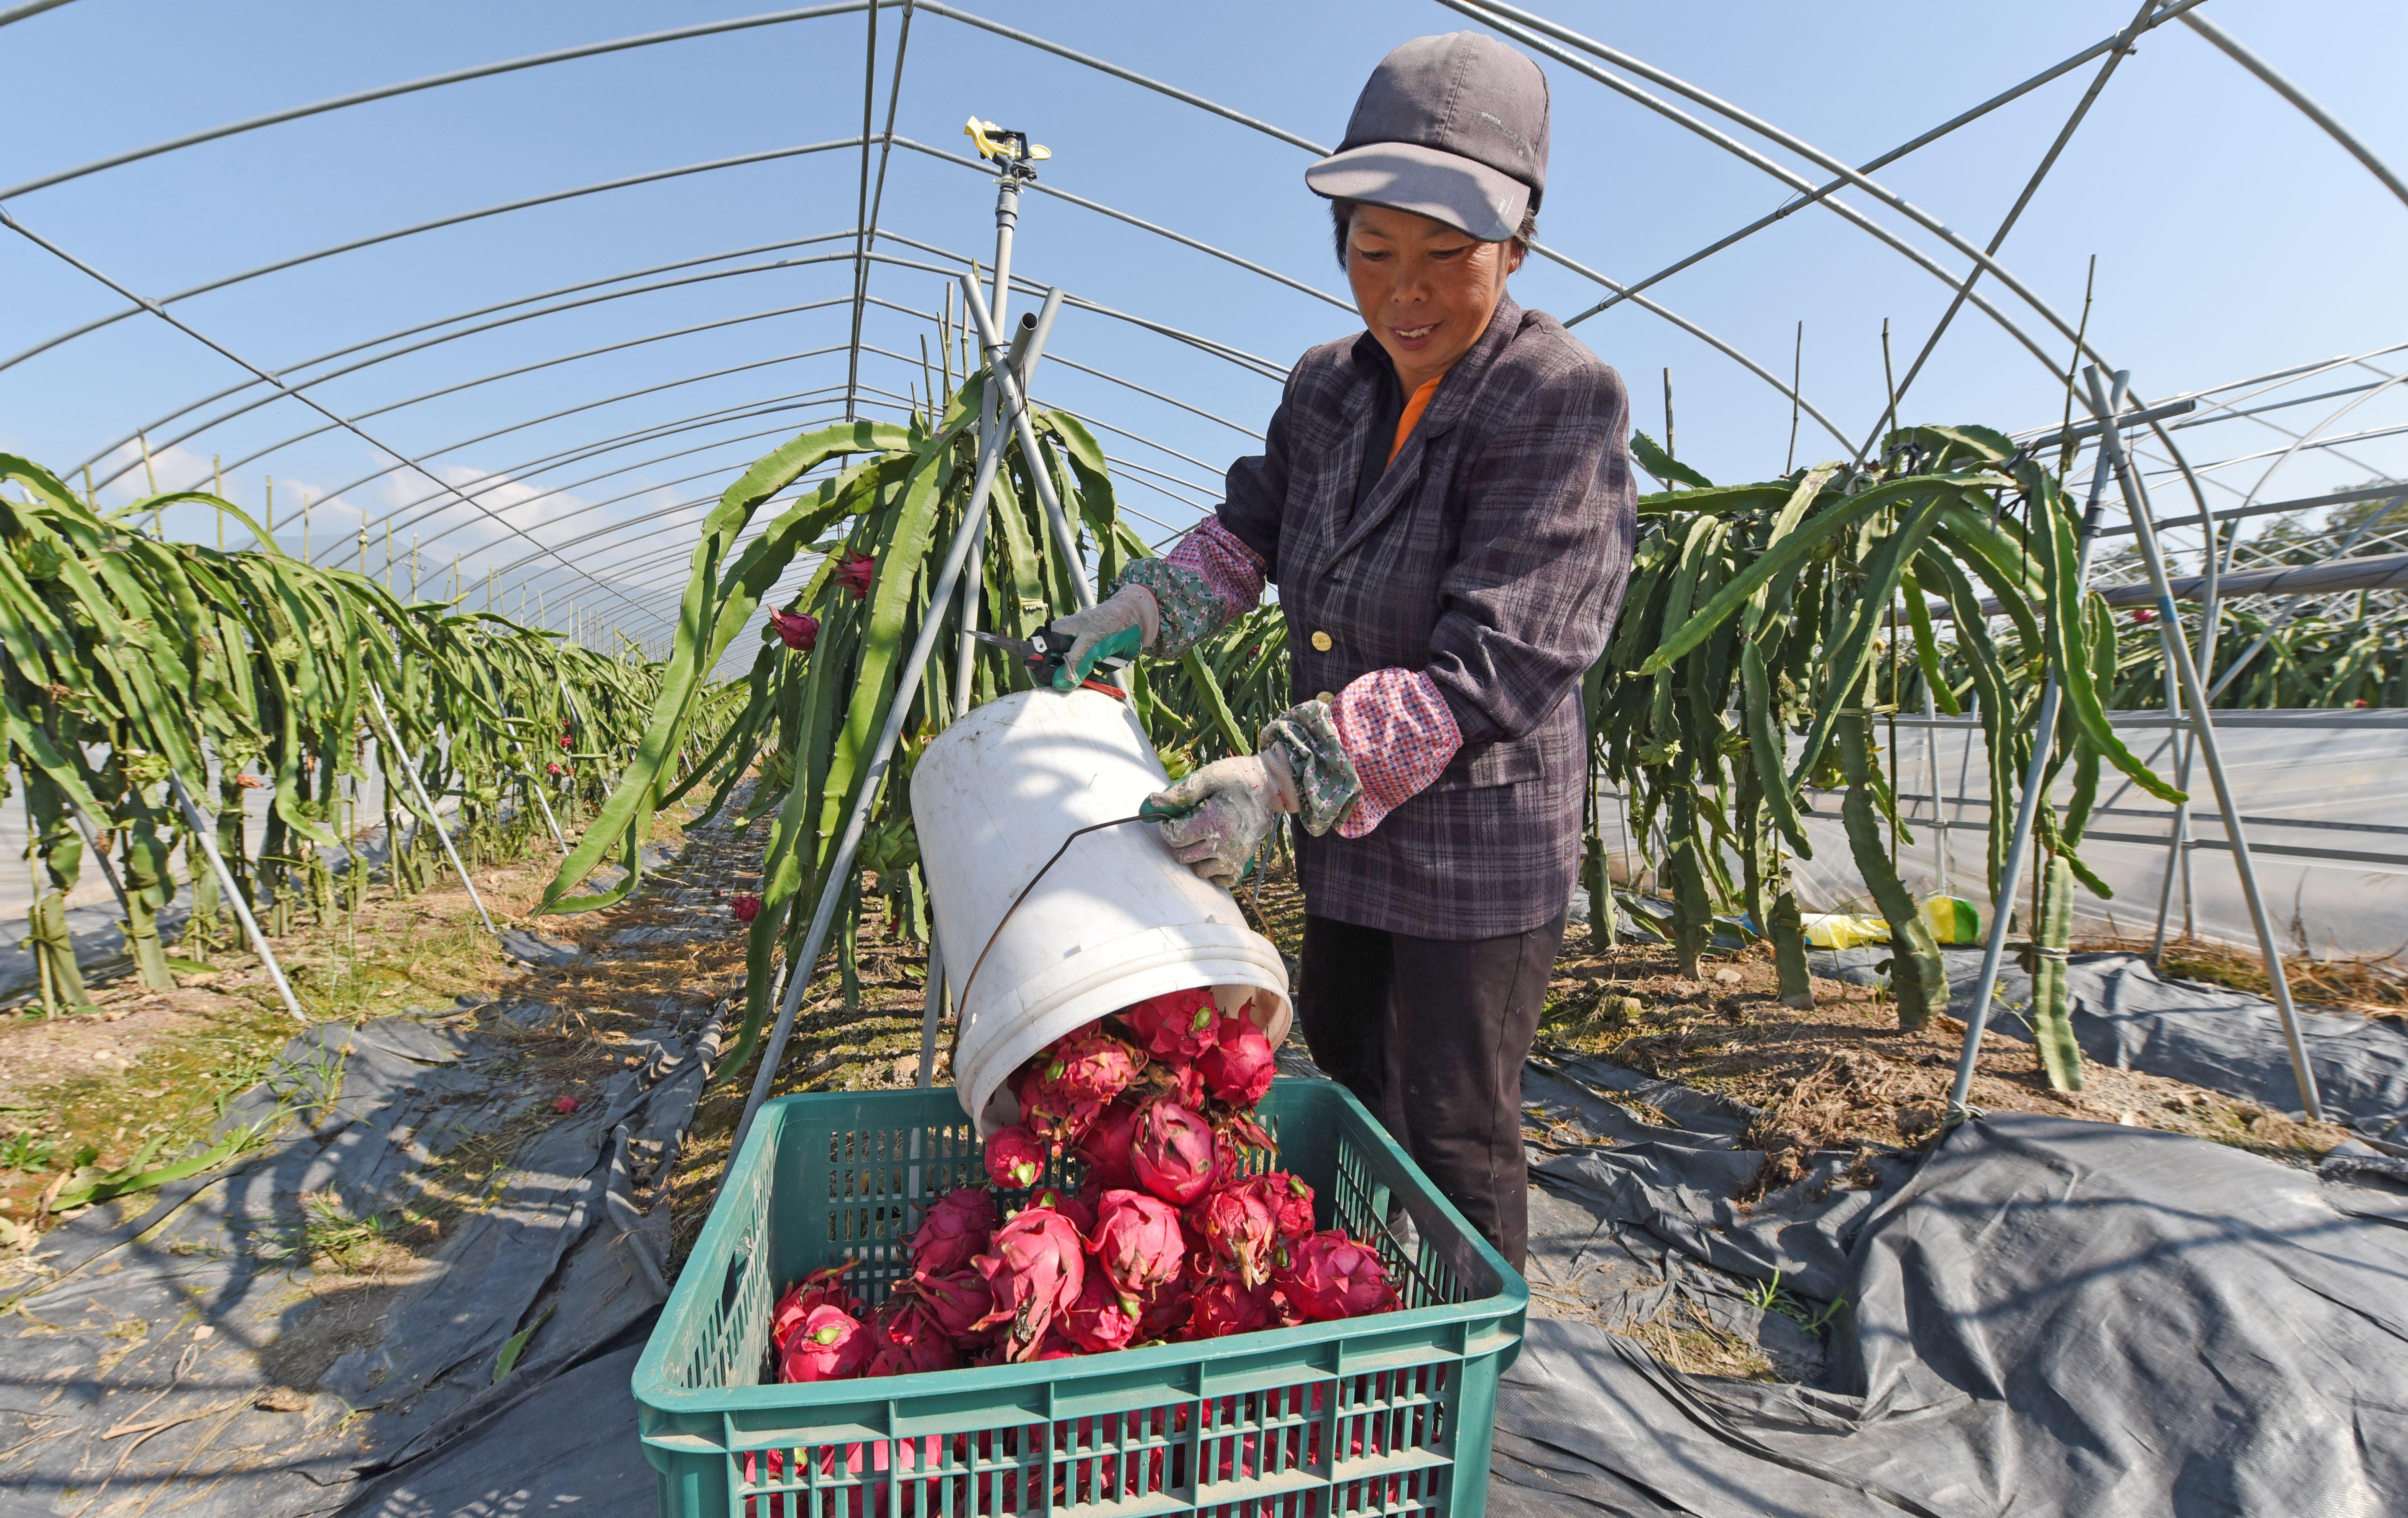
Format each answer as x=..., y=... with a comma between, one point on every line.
x=1166, y=1314
x=1176, y=1026
x=1192, y=1089
x=1238, y=1068
x=1102, y=1319
x=1036, y=1271
x=1226, y=1304
x=961, y=1224
x=1092, y=1066
x=910, y=1339
x=1239, y=1222
x=1106, y=1148
x=1176, y=1153
x=1014, y=1158
x=1329, y=1276
x=831, y=1344
x=1078, y=1206
x=820, y=1288
x=1054, y=1118
x=960, y=1302
x=1138, y=1243
x=1295, y=1201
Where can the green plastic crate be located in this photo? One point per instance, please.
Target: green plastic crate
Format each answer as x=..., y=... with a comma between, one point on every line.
x=1387, y=1414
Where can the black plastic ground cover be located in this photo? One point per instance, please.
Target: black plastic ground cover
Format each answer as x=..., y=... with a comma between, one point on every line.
x=2050, y=1317
x=2226, y=1041
x=177, y=1353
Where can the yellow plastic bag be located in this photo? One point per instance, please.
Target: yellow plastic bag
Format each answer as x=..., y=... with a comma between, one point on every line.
x=1843, y=930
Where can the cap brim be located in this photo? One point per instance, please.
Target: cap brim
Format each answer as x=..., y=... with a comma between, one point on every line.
x=1470, y=198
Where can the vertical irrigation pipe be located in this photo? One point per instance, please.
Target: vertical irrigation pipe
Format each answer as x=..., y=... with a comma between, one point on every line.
x=798, y=969
x=2145, y=535
x=409, y=767
x=2027, y=804
x=234, y=896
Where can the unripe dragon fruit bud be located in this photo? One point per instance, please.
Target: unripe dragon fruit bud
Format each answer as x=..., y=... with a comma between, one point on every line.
x=1226, y=1304
x=1238, y=1067
x=1239, y=1222
x=829, y=1345
x=1102, y=1319
x=1329, y=1276
x=1014, y=1158
x=1177, y=1155
x=1138, y=1243
x=960, y=1303
x=961, y=1224
x=910, y=1339
x=820, y=1288
x=1106, y=1149
x=1036, y=1270
x=1176, y=1026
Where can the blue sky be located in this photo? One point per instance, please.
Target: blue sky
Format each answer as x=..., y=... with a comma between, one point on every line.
x=2232, y=238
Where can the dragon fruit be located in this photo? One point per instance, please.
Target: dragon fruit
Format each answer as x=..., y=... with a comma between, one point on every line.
x=1014, y=1158
x=1102, y=1319
x=1238, y=1068
x=1226, y=1304
x=1176, y=1026
x=1092, y=1066
x=1294, y=1199
x=960, y=1303
x=1054, y=1118
x=961, y=1224
x=1079, y=1207
x=1239, y=1222
x=820, y=1288
x=797, y=630
x=1177, y=1155
x=909, y=1338
x=1166, y=1314
x=1106, y=1149
x=1329, y=1276
x=1138, y=1243
x=830, y=1344
x=854, y=573
x=1036, y=1270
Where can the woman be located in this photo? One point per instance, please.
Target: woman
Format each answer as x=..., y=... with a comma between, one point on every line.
x=1445, y=505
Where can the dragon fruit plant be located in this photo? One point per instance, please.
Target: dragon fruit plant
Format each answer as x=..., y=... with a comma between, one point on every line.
x=1167, y=1237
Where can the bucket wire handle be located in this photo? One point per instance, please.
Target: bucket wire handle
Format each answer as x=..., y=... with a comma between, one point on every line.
x=963, y=994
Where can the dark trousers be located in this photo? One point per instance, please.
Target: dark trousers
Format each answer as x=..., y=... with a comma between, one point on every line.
x=1431, y=1033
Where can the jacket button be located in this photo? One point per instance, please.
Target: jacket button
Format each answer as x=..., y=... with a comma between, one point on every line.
x=1321, y=642
x=1325, y=698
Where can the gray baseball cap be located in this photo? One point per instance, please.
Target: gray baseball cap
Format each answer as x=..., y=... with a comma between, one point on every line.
x=1452, y=127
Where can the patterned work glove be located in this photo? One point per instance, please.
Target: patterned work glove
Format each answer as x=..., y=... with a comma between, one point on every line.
x=1223, y=811
x=1116, y=627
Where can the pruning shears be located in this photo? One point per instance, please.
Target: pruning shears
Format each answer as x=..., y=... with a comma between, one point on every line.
x=1044, y=652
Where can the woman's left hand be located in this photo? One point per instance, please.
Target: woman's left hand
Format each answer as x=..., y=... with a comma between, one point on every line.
x=1220, y=813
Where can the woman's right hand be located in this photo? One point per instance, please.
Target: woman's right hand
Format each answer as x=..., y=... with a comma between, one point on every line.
x=1117, y=627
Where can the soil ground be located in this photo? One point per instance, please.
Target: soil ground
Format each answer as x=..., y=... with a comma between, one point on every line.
x=147, y=1066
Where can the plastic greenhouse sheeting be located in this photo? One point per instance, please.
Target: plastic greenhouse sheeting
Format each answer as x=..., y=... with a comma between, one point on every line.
x=2338, y=786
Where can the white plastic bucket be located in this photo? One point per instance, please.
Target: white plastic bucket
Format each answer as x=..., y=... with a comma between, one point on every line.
x=1116, y=920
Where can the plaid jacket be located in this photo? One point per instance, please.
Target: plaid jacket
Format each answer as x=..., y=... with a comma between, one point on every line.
x=1492, y=554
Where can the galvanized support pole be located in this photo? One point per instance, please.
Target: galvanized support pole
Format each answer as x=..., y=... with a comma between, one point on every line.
x=409, y=767
x=233, y=895
x=2027, y=805
x=1013, y=386
x=2145, y=535
x=798, y=970
x=1931, y=768
x=2178, y=840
